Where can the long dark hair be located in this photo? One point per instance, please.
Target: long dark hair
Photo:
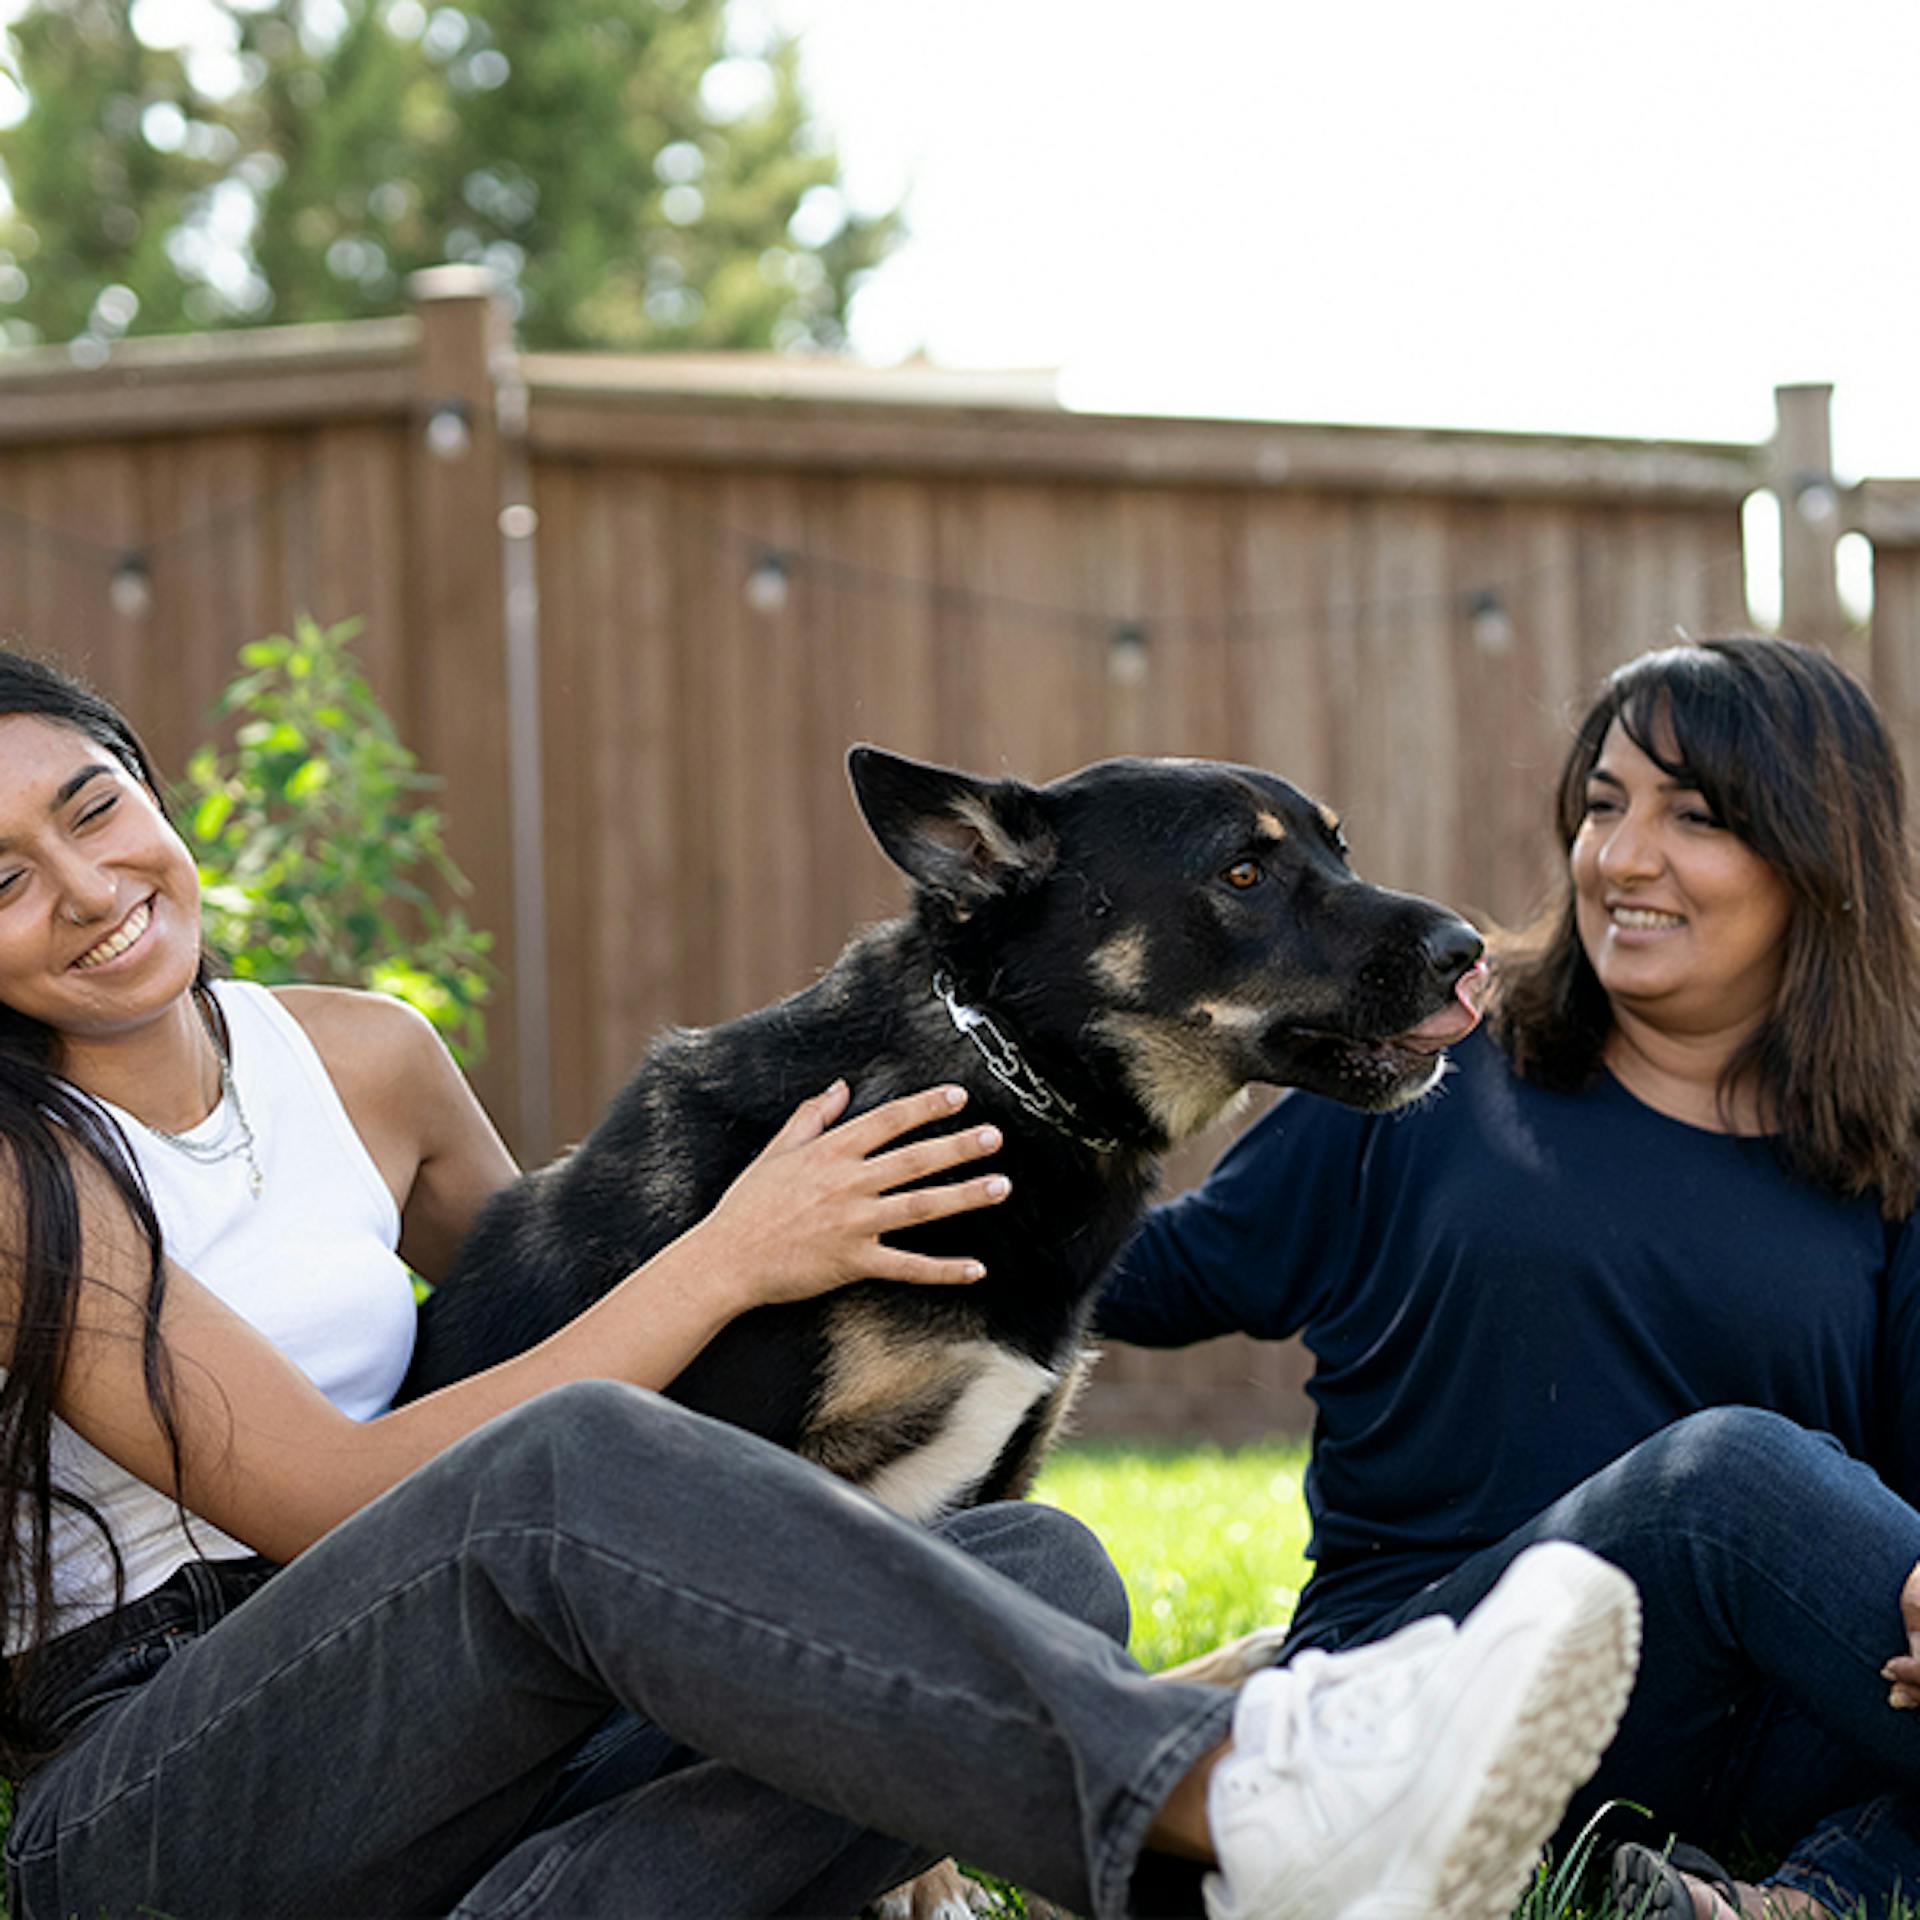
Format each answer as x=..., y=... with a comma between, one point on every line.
x=1791, y=755
x=43, y=1123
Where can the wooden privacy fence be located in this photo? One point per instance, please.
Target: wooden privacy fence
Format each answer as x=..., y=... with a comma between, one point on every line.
x=633, y=611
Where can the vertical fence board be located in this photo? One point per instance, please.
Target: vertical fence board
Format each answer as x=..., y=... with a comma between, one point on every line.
x=876, y=680
x=1896, y=652
x=571, y=752
x=637, y=869
x=1282, y=672
x=1538, y=697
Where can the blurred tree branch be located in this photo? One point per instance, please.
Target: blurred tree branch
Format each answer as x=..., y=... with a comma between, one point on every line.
x=637, y=181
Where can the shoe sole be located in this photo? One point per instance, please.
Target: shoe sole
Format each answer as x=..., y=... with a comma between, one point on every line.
x=1583, y=1676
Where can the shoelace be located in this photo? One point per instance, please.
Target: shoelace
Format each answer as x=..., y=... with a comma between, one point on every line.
x=1339, y=1712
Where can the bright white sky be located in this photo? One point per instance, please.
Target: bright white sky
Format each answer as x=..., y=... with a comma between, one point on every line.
x=1629, y=218
x=1632, y=218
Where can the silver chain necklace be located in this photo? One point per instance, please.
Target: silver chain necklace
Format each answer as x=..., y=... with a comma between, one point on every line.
x=225, y=1145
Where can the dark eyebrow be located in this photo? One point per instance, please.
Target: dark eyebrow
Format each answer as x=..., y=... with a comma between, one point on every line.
x=69, y=787
x=1673, y=783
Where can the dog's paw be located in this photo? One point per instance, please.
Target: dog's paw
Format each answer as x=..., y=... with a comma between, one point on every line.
x=1238, y=1660
x=943, y=1892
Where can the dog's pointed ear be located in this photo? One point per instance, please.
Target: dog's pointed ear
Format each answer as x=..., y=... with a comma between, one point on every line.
x=963, y=839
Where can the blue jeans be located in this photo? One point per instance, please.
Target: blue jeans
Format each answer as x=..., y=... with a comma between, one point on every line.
x=1769, y=1565
x=414, y=1716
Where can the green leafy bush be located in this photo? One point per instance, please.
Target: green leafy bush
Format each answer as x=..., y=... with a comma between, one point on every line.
x=320, y=859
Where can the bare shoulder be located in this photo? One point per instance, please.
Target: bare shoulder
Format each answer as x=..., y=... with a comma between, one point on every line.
x=349, y=1014
x=411, y=1106
x=366, y=1039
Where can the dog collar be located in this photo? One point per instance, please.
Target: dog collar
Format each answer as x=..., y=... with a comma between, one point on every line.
x=1009, y=1066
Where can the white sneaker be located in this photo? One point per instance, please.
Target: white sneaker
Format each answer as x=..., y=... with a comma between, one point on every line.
x=1418, y=1778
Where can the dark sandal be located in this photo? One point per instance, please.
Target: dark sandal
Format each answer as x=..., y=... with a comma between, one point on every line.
x=1646, y=1882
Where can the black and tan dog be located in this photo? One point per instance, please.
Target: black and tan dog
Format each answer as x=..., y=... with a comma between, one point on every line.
x=1105, y=962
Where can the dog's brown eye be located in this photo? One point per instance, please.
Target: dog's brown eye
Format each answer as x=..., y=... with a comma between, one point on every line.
x=1243, y=874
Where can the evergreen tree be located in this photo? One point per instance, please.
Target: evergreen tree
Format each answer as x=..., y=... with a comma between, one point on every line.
x=636, y=182
x=101, y=174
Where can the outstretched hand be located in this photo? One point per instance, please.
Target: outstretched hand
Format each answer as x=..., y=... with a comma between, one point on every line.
x=1902, y=1673
x=810, y=1212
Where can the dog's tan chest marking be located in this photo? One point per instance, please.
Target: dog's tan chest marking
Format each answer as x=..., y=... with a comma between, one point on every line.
x=917, y=1420
x=1176, y=1074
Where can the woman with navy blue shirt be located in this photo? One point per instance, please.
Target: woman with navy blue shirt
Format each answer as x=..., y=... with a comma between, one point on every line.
x=1641, y=1274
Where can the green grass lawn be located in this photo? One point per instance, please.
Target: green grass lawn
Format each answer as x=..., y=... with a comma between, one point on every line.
x=1211, y=1544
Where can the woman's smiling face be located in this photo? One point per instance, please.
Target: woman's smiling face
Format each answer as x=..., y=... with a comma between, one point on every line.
x=99, y=900
x=1682, y=921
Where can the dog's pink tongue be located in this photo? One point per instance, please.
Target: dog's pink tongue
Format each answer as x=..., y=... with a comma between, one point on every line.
x=1455, y=1020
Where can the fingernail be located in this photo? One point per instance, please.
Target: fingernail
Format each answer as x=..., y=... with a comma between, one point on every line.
x=975, y=1271
x=999, y=1186
x=834, y=1088
x=988, y=1137
x=956, y=1096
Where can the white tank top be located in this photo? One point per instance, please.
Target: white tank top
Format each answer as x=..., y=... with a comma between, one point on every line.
x=310, y=1261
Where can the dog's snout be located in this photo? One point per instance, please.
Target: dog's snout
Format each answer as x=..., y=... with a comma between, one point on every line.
x=1451, y=948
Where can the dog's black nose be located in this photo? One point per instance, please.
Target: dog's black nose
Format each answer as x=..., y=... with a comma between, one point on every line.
x=1451, y=948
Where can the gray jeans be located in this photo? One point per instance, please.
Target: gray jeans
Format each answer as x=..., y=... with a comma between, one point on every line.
x=385, y=1725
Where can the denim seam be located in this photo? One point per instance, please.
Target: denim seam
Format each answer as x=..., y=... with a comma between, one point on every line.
x=1802, y=1870
x=1141, y=1800
x=726, y=1610
x=1762, y=1572
x=1817, y=1886
x=558, y=1855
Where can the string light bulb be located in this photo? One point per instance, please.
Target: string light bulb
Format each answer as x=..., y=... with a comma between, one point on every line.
x=1817, y=500
x=769, y=581
x=1127, y=654
x=130, y=588
x=1489, y=623
x=449, y=432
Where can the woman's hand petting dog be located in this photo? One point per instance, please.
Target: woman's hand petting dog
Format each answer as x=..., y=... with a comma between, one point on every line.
x=810, y=1212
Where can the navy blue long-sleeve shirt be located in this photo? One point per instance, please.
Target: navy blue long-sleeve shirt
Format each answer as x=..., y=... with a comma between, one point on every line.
x=1503, y=1290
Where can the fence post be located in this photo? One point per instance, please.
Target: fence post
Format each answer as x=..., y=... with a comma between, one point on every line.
x=1887, y=512
x=1801, y=475
x=458, y=650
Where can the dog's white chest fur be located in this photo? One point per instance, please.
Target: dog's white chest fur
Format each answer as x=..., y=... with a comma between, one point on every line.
x=1003, y=1390
x=918, y=1416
